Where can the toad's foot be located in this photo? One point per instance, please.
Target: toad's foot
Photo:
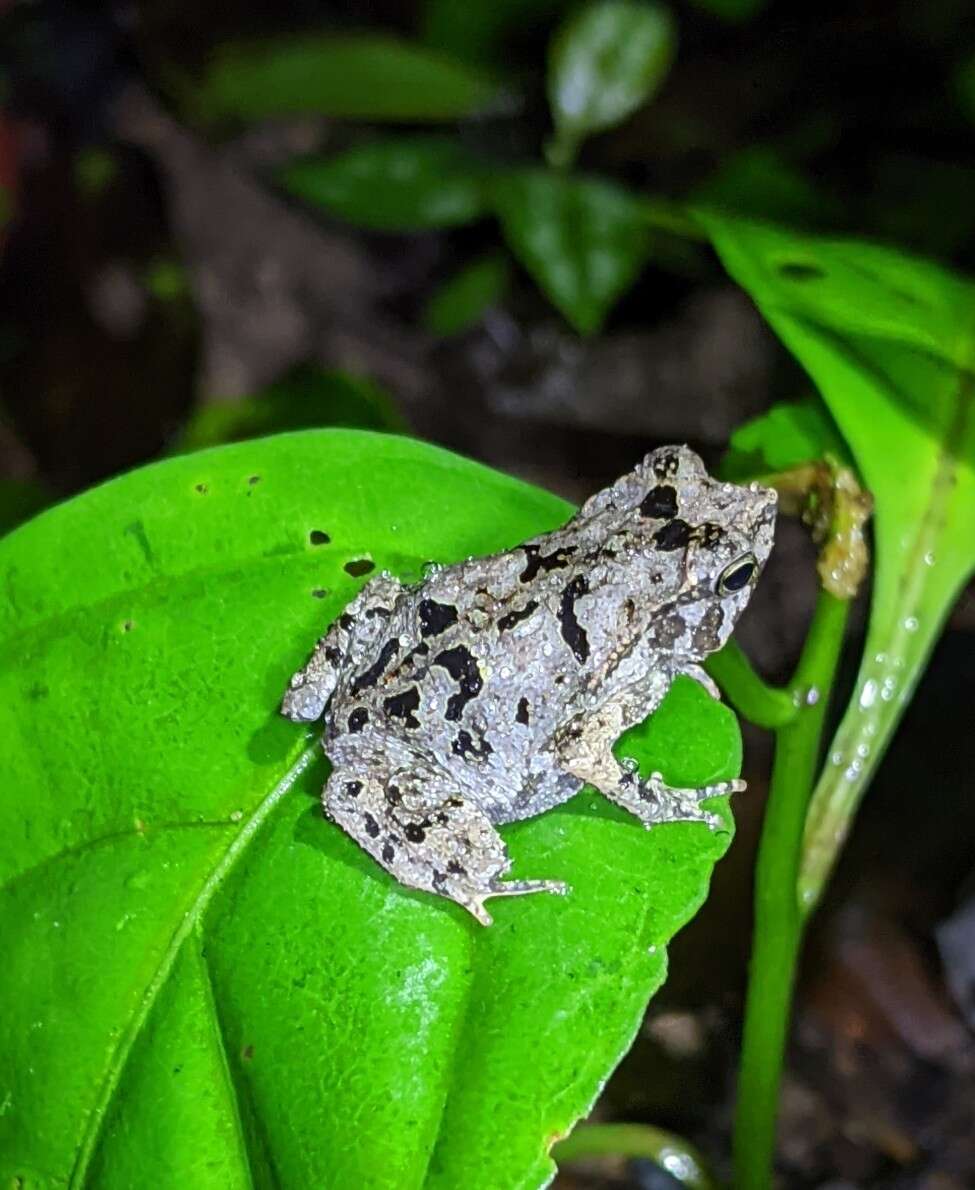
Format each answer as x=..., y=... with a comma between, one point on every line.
x=654, y=801
x=509, y=888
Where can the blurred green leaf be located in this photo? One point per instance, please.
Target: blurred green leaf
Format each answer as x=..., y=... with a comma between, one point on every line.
x=758, y=183
x=207, y=984
x=461, y=302
x=400, y=184
x=349, y=76
x=889, y=340
x=781, y=438
x=583, y=240
x=735, y=12
x=476, y=30
x=606, y=61
x=307, y=398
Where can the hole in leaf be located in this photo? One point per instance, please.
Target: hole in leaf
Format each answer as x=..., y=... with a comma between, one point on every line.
x=798, y=270
x=359, y=566
x=319, y=592
x=127, y=625
x=319, y=537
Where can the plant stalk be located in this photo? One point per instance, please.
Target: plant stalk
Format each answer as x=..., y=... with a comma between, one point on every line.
x=778, y=923
x=670, y=1152
x=764, y=705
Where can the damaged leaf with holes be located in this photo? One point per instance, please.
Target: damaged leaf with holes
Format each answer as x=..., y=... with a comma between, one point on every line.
x=205, y=982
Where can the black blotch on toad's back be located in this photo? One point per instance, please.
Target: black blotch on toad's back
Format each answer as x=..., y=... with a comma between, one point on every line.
x=510, y=619
x=358, y=719
x=371, y=676
x=572, y=631
x=402, y=706
x=675, y=535
x=537, y=562
x=660, y=502
x=465, y=745
x=462, y=666
x=435, y=617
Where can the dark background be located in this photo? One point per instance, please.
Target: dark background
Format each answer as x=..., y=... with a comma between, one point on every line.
x=154, y=282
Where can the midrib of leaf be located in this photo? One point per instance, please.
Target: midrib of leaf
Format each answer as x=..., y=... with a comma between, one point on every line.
x=864, y=732
x=217, y=1028
x=192, y=917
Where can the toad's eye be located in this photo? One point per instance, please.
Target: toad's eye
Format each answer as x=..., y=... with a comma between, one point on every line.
x=737, y=575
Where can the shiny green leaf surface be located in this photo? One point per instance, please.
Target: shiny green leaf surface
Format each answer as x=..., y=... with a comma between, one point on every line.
x=402, y=184
x=607, y=60
x=363, y=76
x=583, y=240
x=889, y=340
x=206, y=983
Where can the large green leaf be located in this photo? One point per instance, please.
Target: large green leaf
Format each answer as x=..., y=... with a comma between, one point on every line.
x=360, y=76
x=400, y=184
x=582, y=239
x=889, y=339
x=205, y=983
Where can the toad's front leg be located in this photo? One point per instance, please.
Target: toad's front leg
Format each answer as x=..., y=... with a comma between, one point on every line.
x=584, y=748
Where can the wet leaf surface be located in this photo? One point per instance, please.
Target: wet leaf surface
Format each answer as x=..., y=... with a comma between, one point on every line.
x=205, y=983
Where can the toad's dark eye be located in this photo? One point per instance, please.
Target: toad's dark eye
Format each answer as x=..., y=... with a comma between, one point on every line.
x=737, y=575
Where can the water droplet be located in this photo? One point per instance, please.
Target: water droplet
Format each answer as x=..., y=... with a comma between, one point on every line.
x=56, y=924
x=547, y=649
x=888, y=688
x=806, y=896
x=237, y=816
x=504, y=671
x=837, y=758
x=929, y=558
x=812, y=696
x=853, y=770
x=880, y=658
x=863, y=751
x=868, y=695
x=911, y=623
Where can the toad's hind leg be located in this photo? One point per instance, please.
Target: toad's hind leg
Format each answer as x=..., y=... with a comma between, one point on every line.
x=426, y=837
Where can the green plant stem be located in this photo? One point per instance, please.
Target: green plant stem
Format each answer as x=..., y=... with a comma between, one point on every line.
x=778, y=924
x=673, y=217
x=764, y=705
x=672, y=1153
